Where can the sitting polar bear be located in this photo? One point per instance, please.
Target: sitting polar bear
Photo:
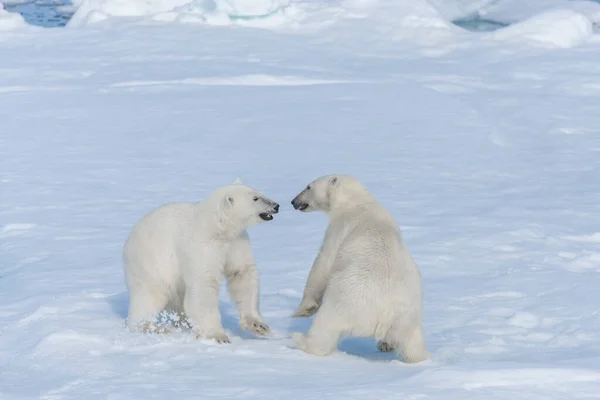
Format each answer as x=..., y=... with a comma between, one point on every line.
x=176, y=255
x=363, y=282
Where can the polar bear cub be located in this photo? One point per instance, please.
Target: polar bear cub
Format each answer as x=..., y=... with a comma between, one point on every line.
x=177, y=254
x=363, y=282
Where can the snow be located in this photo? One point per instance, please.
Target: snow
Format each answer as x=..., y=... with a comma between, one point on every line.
x=290, y=13
x=10, y=21
x=213, y=12
x=484, y=146
x=510, y=11
x=559, y=28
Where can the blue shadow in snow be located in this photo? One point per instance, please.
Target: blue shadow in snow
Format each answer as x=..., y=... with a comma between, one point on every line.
x=360, y=347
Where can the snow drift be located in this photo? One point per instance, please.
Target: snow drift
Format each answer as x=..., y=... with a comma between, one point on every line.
x=268, y=13
x=511, y=11
x=412, y=20
x=552, y=23
x=558, y=29
x=10, y=21
x=211, y=12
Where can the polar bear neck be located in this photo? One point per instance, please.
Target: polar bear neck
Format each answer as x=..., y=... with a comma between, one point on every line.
x=218, y=223
x=228, y=227
x=347, y=197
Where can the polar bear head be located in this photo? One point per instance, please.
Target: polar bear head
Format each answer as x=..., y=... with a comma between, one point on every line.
x=243, y=206
x=331, y=192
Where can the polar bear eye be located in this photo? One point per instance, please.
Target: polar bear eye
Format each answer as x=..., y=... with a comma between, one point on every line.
x=255, y=198
x=308, y=187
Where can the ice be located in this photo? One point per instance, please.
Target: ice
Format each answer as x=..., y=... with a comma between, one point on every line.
x=392, y=14
x=93, y=11
x=10, y=21
x=213, y=12
x=510, y=11
x=399, y=18
x=484, y=146
x=12, y=3
x=559, y=28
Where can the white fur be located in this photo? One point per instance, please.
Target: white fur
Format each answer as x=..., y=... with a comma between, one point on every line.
x=176, y=256
x=363, y=282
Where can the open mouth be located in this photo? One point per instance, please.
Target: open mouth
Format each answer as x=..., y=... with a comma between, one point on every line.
x=302, y=207
x=265, y=216
x=299, y=204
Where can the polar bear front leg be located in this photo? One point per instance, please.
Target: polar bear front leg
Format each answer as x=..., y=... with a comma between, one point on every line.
x=201, y=305
x=243, y=288
x=317, y=279
x=242, y=282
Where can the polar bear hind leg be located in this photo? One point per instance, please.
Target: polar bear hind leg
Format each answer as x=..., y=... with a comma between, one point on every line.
x=325, y=332
x=407, y=340
x=144, y=307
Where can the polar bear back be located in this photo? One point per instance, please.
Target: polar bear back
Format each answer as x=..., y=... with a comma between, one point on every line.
x=151, y=249
x=372, y=260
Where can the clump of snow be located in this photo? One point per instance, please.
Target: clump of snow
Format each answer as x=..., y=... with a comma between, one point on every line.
x=10, y=21
x=557, y=28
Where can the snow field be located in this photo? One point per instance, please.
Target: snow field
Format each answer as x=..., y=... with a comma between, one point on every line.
x=486, y=152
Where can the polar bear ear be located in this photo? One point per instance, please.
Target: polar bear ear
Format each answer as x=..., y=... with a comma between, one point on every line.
x=333, y=181
x=228, y=202
x=237, y=181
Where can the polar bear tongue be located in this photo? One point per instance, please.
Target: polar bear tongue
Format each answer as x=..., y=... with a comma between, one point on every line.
x=265, y=216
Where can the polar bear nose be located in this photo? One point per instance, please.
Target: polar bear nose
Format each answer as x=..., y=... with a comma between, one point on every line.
x=276, y=207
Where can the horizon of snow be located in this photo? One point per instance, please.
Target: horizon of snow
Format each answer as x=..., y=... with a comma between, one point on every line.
x=557, y=24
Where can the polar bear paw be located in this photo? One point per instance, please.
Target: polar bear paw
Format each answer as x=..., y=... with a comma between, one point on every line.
x=310, y=347
x=255, y=326
x=385, y=347
x=220, y=338
x=299, y=340
x=306, y=309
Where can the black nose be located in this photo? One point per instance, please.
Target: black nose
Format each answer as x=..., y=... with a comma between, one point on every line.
x=276, y=208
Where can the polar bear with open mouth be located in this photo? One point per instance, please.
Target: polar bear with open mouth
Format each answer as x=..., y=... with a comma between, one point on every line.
x=176, y=255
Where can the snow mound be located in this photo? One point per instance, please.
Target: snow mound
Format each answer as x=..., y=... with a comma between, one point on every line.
x=511, y=11
x=10, y=21
x=417, y=21
x=212, y=12
x=554, y=29
x=373, y=21
x=395, y=19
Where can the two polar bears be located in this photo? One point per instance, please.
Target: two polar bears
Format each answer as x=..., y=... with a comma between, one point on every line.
x=362, y=283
